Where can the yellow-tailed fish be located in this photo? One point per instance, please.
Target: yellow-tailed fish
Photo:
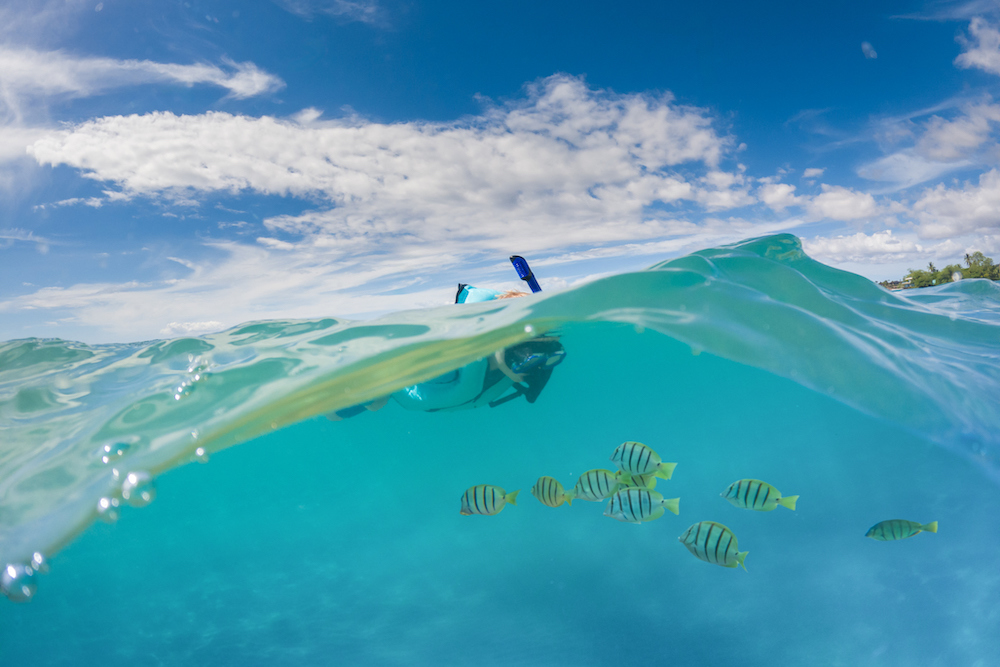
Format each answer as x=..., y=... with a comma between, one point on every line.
x=595, y=485
x=899, y=529
x=753, y=494
x=550, y=492
x=636, y=458
x=635, y=505
x=486, y=499
x=626, y=480
x=713, y=543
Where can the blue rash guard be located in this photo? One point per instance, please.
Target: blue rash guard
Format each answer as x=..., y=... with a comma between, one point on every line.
x=463, y=387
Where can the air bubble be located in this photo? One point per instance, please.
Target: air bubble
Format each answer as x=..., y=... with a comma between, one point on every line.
x=39, y=563
x=197, y=371
x=113, y=451
x=529, y=329
x=183, y=389
x=200, y=455
x=197, y=366
x=138, y=489
x=108, y=509
x=18, y=582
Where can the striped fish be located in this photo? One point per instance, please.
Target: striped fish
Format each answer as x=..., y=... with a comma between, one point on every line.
x=713, y=543
x=753, y=494
x=550, y=492
x=899, y=529
x=486, y=499
x=636, y=458
x=595, y=485
x=635, y=505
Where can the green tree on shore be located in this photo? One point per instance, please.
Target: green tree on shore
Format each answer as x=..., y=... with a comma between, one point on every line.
x=978, y=265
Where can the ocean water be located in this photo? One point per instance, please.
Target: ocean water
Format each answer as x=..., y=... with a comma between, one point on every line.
x=303, y=540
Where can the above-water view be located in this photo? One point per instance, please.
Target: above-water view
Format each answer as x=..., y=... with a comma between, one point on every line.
x=754, y=458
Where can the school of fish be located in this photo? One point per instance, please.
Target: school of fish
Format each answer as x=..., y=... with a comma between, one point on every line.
x=631, y=499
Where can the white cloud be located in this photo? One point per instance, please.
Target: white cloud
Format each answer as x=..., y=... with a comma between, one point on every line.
x=868, y=50
x=880, y=247
x=951, y=136
x=365, y=11
x=568, y=165
x=565, y=137
x=982, y=51
x=779, y=196
x=27, y=75
x=93, y=202
x=948, y=140
x=905, y=169
x=813, y=172
x=14, y=235
x=191, y=328
x=946, y=212
x=838, y=203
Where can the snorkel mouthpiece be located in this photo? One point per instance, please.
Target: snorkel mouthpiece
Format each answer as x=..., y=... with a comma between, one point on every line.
x=524, y=272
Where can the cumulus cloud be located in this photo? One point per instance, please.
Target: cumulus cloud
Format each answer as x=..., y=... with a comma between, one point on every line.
x=566, y=165
x=191, y=328
x=779, y=196
x=813, y=172
x=880, y=247
x=838, y=203
x=981, y=48
x=945, y=212
x=868, y=50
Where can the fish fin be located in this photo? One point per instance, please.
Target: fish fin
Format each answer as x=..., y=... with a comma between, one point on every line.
x=673, y=504
x=665, y=470
x=510, y=497
x=788, y=501
x=655, y=514
x=930, y=527
x=740, y=557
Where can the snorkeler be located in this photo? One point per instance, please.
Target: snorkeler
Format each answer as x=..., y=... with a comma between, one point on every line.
x=519, y=370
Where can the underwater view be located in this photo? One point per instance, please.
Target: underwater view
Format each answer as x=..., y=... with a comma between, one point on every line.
x=739, y=456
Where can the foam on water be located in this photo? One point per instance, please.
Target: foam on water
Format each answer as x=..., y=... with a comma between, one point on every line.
x=286, y=524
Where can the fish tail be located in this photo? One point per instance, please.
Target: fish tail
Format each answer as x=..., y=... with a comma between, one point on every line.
x=673, y=504
x=569, y=496
x=788, y=502
x=740, y=557
x=930, y=527
x=511, y=496
x=665, y=470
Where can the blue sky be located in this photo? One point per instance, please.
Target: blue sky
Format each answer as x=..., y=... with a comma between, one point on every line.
x=172, y=168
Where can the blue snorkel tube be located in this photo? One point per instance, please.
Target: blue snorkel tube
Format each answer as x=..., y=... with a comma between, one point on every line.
x=524, y=271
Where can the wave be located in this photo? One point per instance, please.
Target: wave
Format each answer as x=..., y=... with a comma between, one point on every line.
x=87, y=428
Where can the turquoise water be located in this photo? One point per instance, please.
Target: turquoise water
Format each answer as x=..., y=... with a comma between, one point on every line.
x=336, y=542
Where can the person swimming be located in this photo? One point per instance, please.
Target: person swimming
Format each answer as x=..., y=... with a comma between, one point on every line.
x=519, y=370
